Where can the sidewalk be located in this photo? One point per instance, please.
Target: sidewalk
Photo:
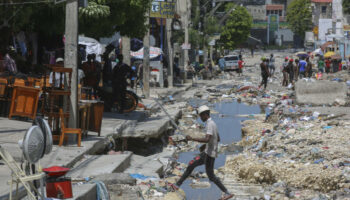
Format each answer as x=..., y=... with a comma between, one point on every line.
x=115, y=125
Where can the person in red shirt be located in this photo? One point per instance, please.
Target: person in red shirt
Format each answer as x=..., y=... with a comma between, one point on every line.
x=240, y=66
x=328, y=65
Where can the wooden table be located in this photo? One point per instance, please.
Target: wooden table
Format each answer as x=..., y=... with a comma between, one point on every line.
x=96, y=115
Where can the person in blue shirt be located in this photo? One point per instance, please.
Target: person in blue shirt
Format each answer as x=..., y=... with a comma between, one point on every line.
x=302, y=67
x=222, y=63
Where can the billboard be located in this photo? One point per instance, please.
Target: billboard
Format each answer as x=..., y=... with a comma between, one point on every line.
x=161, y=9
x=323, y=26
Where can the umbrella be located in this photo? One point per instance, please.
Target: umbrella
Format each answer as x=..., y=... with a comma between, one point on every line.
x=329, y=54
x=318, y=52
x=302, y=54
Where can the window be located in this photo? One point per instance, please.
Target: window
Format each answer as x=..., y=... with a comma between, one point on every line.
x=280, y=12
x=267, y=13
x=324, y=9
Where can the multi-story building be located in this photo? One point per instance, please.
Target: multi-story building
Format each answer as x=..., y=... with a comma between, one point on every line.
x=321, y=9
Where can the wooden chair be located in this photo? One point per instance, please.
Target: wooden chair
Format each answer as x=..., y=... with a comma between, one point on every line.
x=65, y=130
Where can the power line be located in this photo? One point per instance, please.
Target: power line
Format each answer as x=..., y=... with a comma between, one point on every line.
x=24, y=3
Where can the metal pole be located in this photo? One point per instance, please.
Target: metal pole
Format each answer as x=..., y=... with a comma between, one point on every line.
x=170, y=53
x=71, y=56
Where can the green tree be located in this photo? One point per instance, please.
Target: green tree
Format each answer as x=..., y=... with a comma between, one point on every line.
x=346, y=6
x=237, y=27
x=299, y=16
x=104, y=17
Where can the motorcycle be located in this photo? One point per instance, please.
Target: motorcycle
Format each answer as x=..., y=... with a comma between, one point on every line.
x=111, y=104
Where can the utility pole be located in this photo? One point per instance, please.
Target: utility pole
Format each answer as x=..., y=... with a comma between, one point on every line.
x=186, y=39
x=71, y=56
x=145, y=64
x=170, y=53
x=126, y=50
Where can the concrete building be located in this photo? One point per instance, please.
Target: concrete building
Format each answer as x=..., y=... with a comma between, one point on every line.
x=321, y=9
x=258, y=12
x=277, y=9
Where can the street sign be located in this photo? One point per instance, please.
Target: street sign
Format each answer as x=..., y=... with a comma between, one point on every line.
x=212, y=42
x=160, y=9
x=186, y=46
x=272, y=25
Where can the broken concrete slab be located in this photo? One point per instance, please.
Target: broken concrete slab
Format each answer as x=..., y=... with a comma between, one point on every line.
x=101, y=164
x=145, y=166
x=320, y=92
x=116, y=178
x=86, y=191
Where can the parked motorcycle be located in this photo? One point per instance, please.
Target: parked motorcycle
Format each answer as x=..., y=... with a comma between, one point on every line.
x=111, y=104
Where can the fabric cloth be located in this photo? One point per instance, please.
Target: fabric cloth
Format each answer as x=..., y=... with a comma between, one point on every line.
x=240, y=64
x=57, y=79
x=320, y=64
x=285, y=67
x=10, y=64
x=212, y=146
x=222, y=63
x=203, y=158
x=302, y=66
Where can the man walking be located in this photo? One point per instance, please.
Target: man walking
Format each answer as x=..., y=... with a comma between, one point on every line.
x=291, y=71
x=272, y=65
x=121, y=73
x=308, y=67
x=285, y=72
x=264, y=73
x=209, y=154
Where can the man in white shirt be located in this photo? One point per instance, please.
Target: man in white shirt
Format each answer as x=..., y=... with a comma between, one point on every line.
x=209, y=154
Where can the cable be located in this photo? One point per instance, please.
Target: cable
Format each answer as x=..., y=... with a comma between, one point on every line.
x=24, y=3
x=102, y=192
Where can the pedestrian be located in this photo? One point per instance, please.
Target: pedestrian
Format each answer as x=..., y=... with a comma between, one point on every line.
x=302, y=68
x=328, y=65
x=222, y=63
x=240, y=66
x=285, y=72
x=252, y=52
x=291, y=71
x=121, y=73
x=264, y=73
x=308, y=67
x=208, y=155
x=92, y=71
x=272, y=65
x=320, y=65
x=296, y=69
x=335, y=65
x=133, y=76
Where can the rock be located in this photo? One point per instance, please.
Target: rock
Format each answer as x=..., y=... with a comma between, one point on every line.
x=291, y=131
x=320, y=92
x=116, y=178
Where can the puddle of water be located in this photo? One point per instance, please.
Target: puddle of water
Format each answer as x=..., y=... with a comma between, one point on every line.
x=230, y=131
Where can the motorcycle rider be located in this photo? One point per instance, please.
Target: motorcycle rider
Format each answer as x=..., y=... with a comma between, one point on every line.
x=121, y=73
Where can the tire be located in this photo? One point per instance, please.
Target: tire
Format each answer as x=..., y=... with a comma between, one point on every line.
x=131, y=102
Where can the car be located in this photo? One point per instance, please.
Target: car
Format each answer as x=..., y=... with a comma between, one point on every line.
x=231, y=62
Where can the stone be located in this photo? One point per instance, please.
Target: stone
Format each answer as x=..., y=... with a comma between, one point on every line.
x=116, y=178
x=320, y=92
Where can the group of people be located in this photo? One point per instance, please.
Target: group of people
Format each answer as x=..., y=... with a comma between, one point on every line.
x=294, y=69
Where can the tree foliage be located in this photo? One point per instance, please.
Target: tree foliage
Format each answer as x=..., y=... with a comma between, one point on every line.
x=126, y=16
x=346, y=6
x=237, y=27
x=299, y=16
x=101, y=18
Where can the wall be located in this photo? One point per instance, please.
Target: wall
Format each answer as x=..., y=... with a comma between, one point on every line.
x=318, y=14
x=258, y=12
